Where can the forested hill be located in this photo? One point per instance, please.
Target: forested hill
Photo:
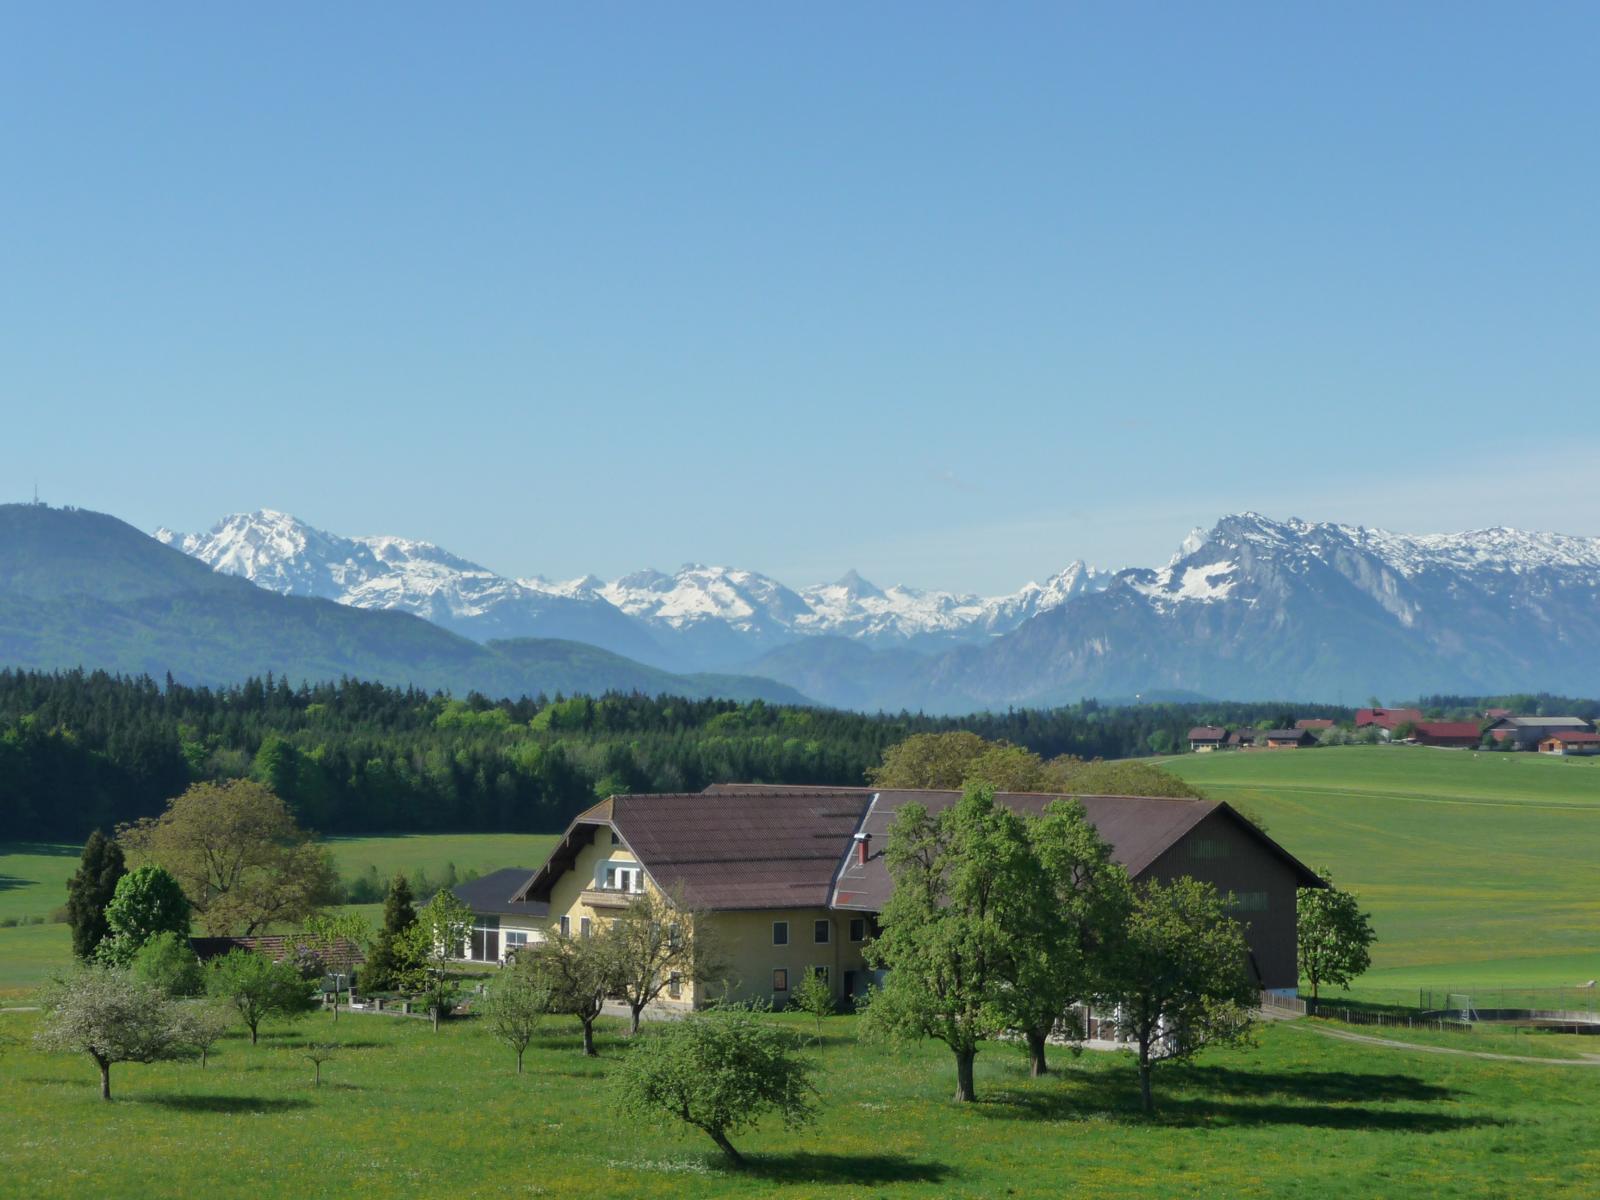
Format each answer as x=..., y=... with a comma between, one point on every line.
x=80, y=751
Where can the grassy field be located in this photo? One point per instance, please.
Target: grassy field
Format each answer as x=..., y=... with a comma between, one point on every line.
x=1479, y=869
x=480, y=852
x=405, y=1112
x=33, y=881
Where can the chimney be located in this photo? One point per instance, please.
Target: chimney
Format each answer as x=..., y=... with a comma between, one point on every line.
x=863, y=848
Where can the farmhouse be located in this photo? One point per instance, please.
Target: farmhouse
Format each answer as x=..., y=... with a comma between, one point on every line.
x=1459, y=734
x=1569, y=742
x=1525, y=733
x=1289, y=739
x=791, y=879
x=1205, y=738
x=1387, y=718
x=500, y=925
x=1241, y=739
x=1314, y=724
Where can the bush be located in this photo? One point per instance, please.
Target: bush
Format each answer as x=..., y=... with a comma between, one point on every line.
x=168, y=962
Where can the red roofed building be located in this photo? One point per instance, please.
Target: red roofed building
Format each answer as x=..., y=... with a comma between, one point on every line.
x=1460, y=734
x=1387, y=718
x=1575, y=741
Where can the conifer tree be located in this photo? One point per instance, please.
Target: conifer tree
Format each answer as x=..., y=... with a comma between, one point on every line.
x=89, y=891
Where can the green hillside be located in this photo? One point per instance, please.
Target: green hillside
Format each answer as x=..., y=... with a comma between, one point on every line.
x=1479, y=869
x=83, y=589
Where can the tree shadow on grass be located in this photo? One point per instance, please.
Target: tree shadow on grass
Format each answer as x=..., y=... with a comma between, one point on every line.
x=225, y=1104
x=863, y=1169
x=1313, y=1099
x=306, y=1044
x=8, y=882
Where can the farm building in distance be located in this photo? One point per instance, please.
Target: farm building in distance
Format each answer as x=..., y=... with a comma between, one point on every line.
x=1570, y=742
x=1525, y=733
x=792, y=879
x=1289, y=739
x=1205, y=738
x=1459, y=734
x=1388, y=718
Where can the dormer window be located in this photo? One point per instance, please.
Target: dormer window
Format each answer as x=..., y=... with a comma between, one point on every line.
x=620, y=877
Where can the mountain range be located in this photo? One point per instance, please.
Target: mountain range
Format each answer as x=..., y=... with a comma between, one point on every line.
x=83, y=589
x=1251, y=608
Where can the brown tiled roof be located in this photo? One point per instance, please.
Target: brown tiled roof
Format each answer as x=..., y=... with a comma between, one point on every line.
x=340, y=953
x=1207, y=733
x=1139, y=829
x=767, y=849
x=1449, y=729
x=1573, y=735
x=1314, y=723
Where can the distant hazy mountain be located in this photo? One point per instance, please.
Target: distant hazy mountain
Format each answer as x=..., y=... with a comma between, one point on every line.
x=84, y=589
x=1250, y=608
x=1265, y=608
x=695, y=618
x=283, y=554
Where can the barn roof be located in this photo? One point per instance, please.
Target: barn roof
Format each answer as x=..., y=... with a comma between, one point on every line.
x=723, y=850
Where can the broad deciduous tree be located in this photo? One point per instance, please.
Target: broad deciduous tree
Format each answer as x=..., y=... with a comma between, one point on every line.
x=239, y=854
x=1177, y=978
x=112, y=1017
x=1065, y=926
x=720, y=1071
x=431, y=945
x=653, y=939
x=169, y=961
x=1334, y=937
x=148, y=901
x=517, y=1004
x=951, y=928
x=579, y=972
x=259, y=988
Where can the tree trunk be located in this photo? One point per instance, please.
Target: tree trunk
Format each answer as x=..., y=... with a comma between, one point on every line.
x=105, y=1077
x=203, y=1053
x=634, y=1010
x=317, y=1081
x=588, y=1037
x=964, y=1088
x=1146, y=1100
x=519, y=1062
x=1037, y=1065
x=721, y=1139
x=435, y=1011
x=253, y=1035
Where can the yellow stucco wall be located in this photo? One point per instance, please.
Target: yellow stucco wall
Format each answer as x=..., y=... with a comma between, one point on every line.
x=743, y=939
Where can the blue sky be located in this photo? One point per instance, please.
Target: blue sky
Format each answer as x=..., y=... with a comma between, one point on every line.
x=950, y=294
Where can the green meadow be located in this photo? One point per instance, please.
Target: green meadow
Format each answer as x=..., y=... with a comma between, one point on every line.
x=1480, y=870
x=403, y=1111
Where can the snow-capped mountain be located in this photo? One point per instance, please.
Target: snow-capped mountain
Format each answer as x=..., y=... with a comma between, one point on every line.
x=1261, y=608
x=284, y=554
x=1251, y=608
x=699, y=617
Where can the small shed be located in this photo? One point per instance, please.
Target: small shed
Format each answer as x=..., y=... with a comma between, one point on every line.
x=1289, y=739
x=1571, y=742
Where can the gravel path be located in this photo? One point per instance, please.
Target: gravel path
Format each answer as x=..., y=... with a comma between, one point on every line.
x=1588, y=1060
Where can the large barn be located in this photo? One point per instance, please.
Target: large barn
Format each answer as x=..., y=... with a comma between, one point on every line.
x=794, y=877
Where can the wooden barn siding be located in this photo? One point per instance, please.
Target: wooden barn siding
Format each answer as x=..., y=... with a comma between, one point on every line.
x=1245, y=866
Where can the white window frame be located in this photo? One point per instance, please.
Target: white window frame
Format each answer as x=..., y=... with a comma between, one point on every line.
x=619, y=875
